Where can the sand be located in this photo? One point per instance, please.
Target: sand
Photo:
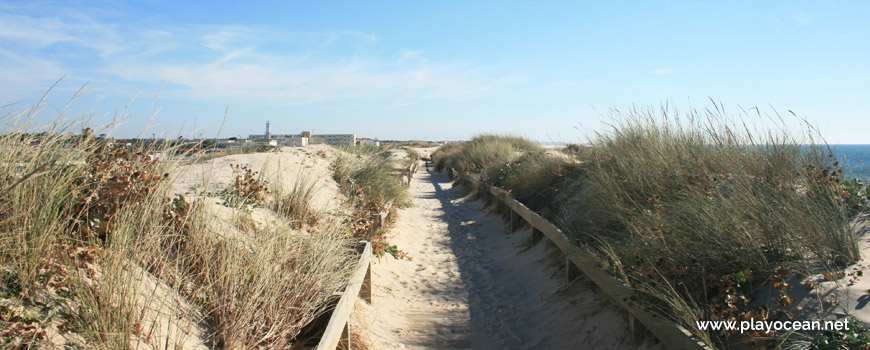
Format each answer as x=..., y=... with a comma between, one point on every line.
x=281, y=169
x=834, y=300
x=169, y=318
x=471, y=284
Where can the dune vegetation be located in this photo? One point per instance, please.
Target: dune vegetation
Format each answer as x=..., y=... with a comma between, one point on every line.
x=96, y=251
x=371, y=181
x=696, y=212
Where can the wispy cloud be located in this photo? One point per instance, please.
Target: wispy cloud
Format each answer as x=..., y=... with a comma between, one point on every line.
x=801, y=18
x=784, y=20
x=221, y=62
x=663, y=71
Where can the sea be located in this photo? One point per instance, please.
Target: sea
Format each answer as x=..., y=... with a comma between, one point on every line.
x=855, y=159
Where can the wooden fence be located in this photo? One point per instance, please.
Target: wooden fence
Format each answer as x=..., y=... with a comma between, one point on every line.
x=338, y=329
x=670, y=334
x=408, y=172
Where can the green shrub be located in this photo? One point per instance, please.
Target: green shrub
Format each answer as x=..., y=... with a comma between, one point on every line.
x=374, y=188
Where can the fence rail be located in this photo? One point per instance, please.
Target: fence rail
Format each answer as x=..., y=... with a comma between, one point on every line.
x=338, y=329
x=670, y=334
x=408, y=172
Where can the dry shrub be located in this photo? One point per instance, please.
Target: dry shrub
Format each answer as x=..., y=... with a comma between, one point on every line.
x=247, y=187
x=117, y=176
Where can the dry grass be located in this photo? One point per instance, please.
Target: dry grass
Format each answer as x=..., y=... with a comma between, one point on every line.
x=95, y=252
x=294, y=204
x=691, y=210
x=374, y=188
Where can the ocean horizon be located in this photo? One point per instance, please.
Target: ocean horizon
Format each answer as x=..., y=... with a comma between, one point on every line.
x=854, y=158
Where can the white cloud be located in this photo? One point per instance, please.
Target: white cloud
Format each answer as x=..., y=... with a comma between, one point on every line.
x=412, y=56
x=801, y=18
x=75, y=29
x=220, y=63
x=24, y=77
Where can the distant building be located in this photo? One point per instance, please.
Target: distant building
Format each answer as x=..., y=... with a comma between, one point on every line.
x=295, y=141
x=367, y=141
x=333, y=139
x=304, y=138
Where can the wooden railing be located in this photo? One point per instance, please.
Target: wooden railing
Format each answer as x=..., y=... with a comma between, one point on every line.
x=670, y=334
x=338, y=329
x=408, y=173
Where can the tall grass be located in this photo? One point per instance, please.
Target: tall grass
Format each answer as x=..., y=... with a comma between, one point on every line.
x=265, y=292
x=295, y=203
x=412, y=154
x=485, y=154
x=712, y=188
x=691, y=210
x=372, y=183
x=94, y=247
x=371, y=173
x=702, y=202
x=532, y=174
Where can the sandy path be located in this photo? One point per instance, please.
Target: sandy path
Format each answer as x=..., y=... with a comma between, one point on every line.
x=472, y=284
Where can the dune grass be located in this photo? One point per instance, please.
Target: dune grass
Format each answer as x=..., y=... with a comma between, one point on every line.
x=95, y=249
x=412, y=154
x=485, y=154
x=532, y=174
x=373, y=186
x=691, y=210
x=293, y=203
x=710, y=208
x=369, y=171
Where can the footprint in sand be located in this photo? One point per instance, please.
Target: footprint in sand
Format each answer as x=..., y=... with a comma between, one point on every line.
x=469, y=299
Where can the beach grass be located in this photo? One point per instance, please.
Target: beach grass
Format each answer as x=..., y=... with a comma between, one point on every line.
x=97, y=252
x=373, y=186
x=690, y=210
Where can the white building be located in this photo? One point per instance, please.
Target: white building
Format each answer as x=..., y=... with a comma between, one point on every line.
x=333, y=139
x=305, y=138
x=367, y=141
x=295, y=141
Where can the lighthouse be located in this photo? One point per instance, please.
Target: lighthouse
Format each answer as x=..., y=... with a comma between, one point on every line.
x=268, y=131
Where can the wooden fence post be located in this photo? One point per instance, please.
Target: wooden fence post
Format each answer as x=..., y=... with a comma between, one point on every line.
x=536, y=234
x=345, y=336
x=669, y=333
x=366, y=289
x=337, y=332
x=567, y=268
x=515, y=220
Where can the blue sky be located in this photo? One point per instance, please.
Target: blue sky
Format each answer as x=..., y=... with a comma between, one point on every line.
x=434, y=70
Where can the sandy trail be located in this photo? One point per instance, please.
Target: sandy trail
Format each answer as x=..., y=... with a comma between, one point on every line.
x=473, y=284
